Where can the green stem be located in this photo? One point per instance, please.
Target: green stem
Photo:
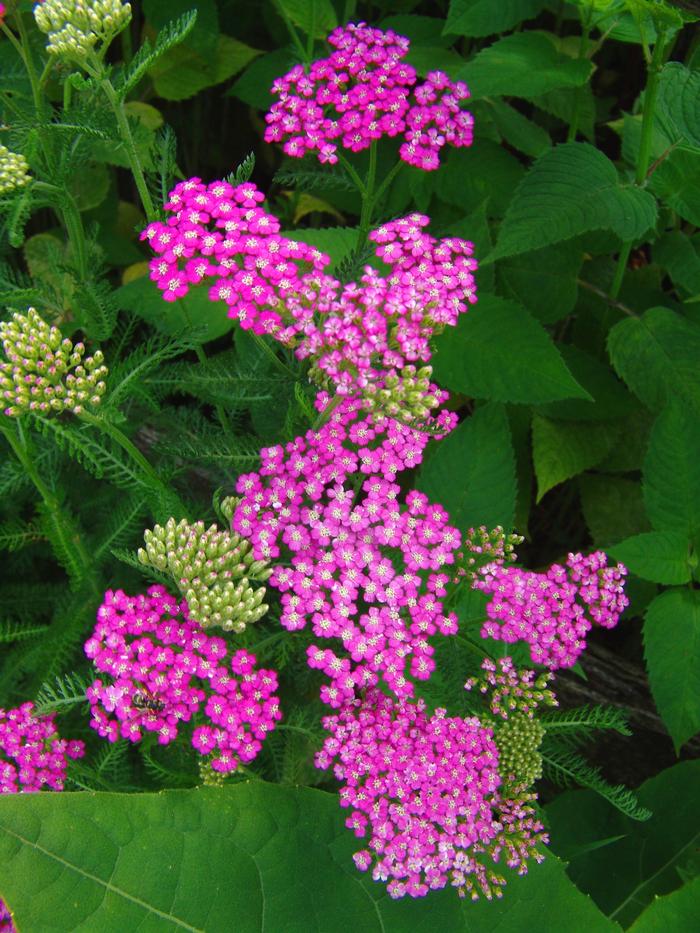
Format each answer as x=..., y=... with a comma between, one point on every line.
x=130, y=148
x=578, y=95
x=70, y=545
x=111, y=430
x=271, y=355
x=349, y=168
x=388, y=180
x=368, y=197
x=661, y=49
x=24, y=51
x=327, y=412
x=292, y=32
x=65, y=205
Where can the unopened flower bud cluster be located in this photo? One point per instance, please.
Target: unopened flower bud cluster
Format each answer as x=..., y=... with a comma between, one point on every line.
x=518, y=740
x=407, y=395
x=74, y=27
x=44, y=371
x=13, y=170
x=483, y=546
x=512, y=691
x=212, y=569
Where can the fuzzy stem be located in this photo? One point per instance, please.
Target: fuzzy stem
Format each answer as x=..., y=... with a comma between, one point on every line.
x=130, y=148
x=368, y=197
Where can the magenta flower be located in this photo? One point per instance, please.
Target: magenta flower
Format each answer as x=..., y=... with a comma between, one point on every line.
x=32, y=756
x=362, y=92
x=553, y=611
x=162, y=668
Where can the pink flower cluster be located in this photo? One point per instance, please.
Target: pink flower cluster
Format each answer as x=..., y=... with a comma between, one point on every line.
x=553, y=611
x=32, y=755
x=163, y=667
x=218, y=231
x=363, y=569
x=6, y=924
x=362, y=338
x=421, y=787
x=361, y=93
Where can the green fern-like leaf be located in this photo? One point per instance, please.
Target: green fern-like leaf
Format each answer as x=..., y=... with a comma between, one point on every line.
x=565, y=767
x=122, y=525
x=243, y=172
x=64, y=692
x=129, y=374
x=15, y=534
x=576, y=726
x=149, y=573
x=148, y=54
x=98, y=309
x=313, y=179
x=16, y=631
x=61, y=529
x=101, y=458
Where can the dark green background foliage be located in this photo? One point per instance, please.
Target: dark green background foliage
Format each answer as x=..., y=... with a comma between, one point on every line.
x=576, y=378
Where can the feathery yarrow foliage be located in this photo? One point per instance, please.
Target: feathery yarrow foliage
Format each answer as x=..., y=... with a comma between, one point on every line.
x=14, y=170
x=75, y=27
x=45, y=372
x=213, y=570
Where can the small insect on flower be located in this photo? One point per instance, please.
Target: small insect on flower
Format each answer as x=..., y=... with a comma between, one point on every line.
x=144, y=699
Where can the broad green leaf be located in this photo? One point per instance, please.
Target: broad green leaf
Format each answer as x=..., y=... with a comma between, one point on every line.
x=183, y=72
x=193, y=312
x=544, y=281
x=254, y=858
x=525, y=64
x=607, y=397
x=672, y=653
x=421, y=30
x=485, y=18
x=498, y=351
x=337, y=242
x=630, y=450
x=677, y=911
x=570, y=190
x=426, y=58
x=678, y=102
x=483, y=171
x=562, y=449
x=518, y=131
x=315, y=17
x=676, y=181
x=475, y=228
x=659, y=556
x=624, y=877
x=564, y=102
x=472, y=471
x=672, y=471
x=253, y=86
x=613, y=507
x=676, y=253
x=90, y=186
x=657, y=355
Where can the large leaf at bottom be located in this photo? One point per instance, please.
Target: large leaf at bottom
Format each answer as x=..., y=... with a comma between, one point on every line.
x=570, y=190
x=672, y=652
x=647, y=859
x=676, y=911
x=254, y=858
x=472, y=471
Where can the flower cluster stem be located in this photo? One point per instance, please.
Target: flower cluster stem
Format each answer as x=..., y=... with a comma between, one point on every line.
x=659, y=55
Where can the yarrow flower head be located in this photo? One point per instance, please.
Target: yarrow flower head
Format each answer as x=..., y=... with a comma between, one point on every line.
x=14, y=169
x=213, y=570
x=425, y=790
x=76, y=27
x=44, y=371
x=32, y=755
x=553, y=611
x=363, y=91
x=364, y=569
x=6, y=924
x=163, y=671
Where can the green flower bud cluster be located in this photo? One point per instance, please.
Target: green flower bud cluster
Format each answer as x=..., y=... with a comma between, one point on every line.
x=74, y=27
x=212, y=569
x=44, y=371
x=518, y=740
x=482, y=547
x=13, y=170
x=408, y=396
x=513, y=691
